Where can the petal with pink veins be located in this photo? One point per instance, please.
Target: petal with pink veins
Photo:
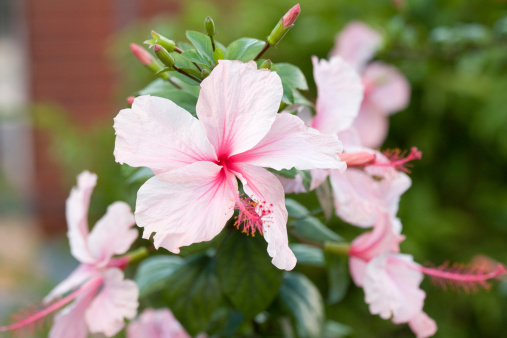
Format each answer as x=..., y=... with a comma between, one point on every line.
x=422, y=325
x=291, y=143
x=70, y=322
x=263, y=187
x=390, y=90
x=186, y=205
x=81, y=274
x=113, y=233
x=77, y=216
x=156, y=324
x=237, y=105
x=340, y=93
x=117, y=300
x=356, y=44
x=158, y=134
x=392, y=289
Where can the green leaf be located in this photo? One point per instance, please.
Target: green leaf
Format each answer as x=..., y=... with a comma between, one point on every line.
x=245, y=269
x=334, y=329
x=194, y=56
x=288, y=173
x=288, y=95
x=311, y=229
x=153, y=272
x=307, y=178
x=202, y=44
x=325, y=197
x=218, y=54
x=308, y=255
x=300, y=99
x=140, y=175
x=186, y=65
x=338, y=277
x=182, y=98
x=292, y=76
x=303, y=301
x=296, y=209
x=193, y=292
x=244, y=49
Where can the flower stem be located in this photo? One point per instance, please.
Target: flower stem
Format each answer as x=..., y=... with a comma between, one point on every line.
x=186, y=74
x=266, y=46
x=341, y=249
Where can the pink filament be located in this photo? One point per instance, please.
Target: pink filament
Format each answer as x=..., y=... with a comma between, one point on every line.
x=397, y=159
x=94, y=283
x=251, y=215
x=466, y=278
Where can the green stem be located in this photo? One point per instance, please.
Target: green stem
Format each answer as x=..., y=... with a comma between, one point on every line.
x=137, y=255
x=266, y=46
x=341, y=249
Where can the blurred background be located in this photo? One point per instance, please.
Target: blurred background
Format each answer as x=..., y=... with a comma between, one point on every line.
x=66, y=70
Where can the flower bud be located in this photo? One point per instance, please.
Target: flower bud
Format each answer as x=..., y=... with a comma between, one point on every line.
x=141, y=54
x=164, y=56
x=209, y=25
x=130, y=100
x=284, y=25
x=266, y=64
x=158, y=39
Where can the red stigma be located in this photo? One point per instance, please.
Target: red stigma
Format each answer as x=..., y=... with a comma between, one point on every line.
x=252, y=215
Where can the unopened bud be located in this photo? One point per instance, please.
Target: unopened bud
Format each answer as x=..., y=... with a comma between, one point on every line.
x=158, y=39
x=141, y=54
x=130, y=100
x=209, y=25
x=266, y=64
x=164, y=56
x=284, y=25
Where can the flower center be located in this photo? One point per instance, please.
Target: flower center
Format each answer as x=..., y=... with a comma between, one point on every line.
x=252, y=215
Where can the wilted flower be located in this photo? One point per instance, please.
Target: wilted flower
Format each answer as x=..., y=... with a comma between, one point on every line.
x=197, y=161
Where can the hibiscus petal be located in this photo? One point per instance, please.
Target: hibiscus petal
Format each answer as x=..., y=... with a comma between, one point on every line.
x=357, y=268
x=237, y=105
x=340, y=93
x=291, y=143
x=70, y=322
x=113, y=233
x=390, y=89
x=157, y=134
x=372, y=125
x=263, y=186
x=77, y=214
x=117, y=300
x=292, y=185
x=392, y=289
x=81, y=274
x=422, y=325
x=156, y=323
x=187, y=205
x=385, y=236
x=357, y=44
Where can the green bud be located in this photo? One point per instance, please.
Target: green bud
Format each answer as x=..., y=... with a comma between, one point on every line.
x=209, y=25
x=284, y=25
x=164, y=56
x=158, y=39
x=266, y=64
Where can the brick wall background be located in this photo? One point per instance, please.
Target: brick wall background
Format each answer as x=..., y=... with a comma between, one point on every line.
x=68, y=63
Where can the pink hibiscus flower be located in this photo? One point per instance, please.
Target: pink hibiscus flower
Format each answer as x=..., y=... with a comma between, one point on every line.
x=390, y=280
x=101, y=297
x=197, y=161
x=371, y=184
x=156, y=324
x=386, y=89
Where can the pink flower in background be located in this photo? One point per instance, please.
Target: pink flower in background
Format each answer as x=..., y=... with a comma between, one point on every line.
x=386, y=89
x=156, y=324
x=101, y=297
x=391, y=289
x=197, y=161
